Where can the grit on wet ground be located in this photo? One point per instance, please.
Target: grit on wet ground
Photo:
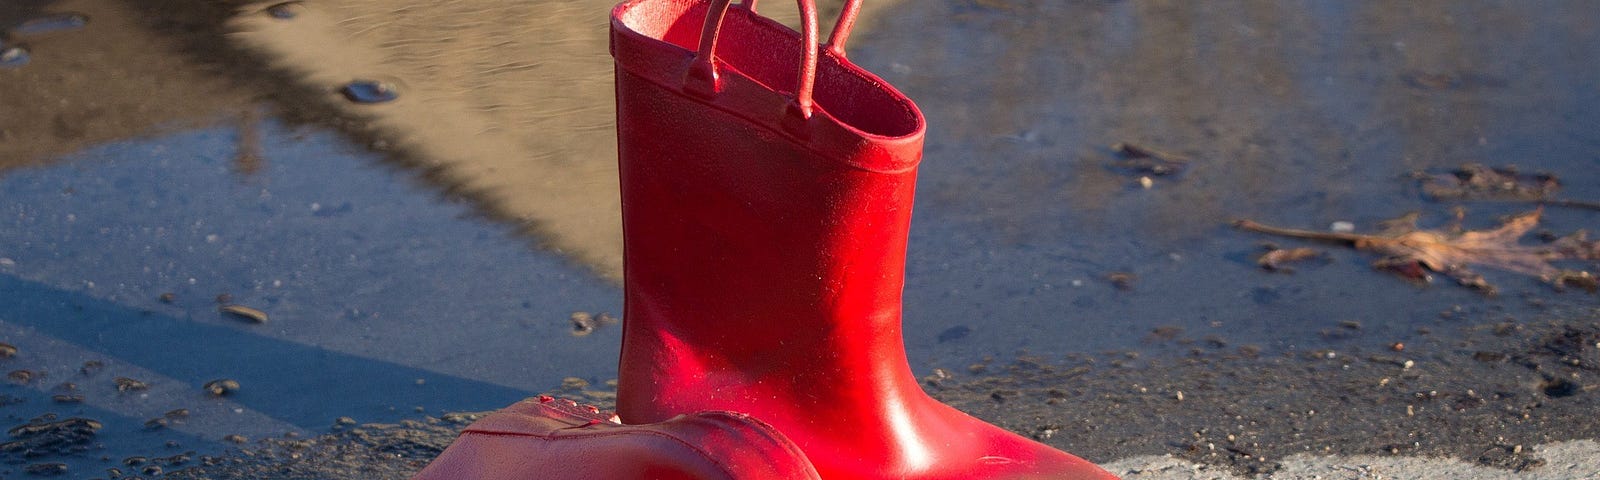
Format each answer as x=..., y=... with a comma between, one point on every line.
x=1484, y=400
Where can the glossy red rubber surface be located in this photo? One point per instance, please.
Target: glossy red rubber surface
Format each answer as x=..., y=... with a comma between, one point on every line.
x=553, y=439
x=765, y=250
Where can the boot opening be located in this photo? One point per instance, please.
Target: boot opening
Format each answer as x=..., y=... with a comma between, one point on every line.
x=854, y=97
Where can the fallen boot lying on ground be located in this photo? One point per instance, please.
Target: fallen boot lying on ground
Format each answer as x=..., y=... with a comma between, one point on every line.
x=767, y=192
x=547, y=438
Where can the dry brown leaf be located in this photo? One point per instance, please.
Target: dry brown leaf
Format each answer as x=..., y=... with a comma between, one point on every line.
x=1453, y=253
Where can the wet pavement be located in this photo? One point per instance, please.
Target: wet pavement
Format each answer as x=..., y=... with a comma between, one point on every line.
x=383, y=296
x=422, y=255
x=1300, y=114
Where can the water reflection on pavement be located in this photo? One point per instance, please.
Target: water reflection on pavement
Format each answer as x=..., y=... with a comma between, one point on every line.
x=1300, y=113
x=386, y=300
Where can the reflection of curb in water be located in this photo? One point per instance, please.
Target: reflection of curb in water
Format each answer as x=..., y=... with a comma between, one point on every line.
x=507, y=102
x=108, y=78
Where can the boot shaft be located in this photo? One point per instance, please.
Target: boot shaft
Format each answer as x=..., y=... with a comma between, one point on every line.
x=745, y=230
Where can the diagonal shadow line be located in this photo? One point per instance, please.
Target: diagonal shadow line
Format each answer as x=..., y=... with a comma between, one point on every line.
x=296, y=383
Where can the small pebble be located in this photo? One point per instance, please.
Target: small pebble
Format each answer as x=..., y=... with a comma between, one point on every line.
x=7, y=350
x=46, y=469
x=12, y=56
x=582, y=323
x=369, y=91
x=245, y=313
x=91, y=367
x=125, y=384
x=285, y=10
x=1122, y=280
x=155, y=423
x=220, y=387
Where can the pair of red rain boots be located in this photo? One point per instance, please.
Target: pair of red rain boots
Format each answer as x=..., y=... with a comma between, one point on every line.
x=767, y=191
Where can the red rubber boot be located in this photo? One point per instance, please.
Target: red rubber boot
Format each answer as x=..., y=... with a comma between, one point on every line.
x=765, y=220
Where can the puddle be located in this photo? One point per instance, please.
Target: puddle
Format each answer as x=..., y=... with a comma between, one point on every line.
x=1291, y=116
x=386, y=300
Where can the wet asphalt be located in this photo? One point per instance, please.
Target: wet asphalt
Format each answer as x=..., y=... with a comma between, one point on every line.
x=148, y=151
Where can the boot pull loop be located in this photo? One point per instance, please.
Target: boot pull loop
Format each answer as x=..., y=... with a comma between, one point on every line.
x=841, y=27
x=702, y=78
